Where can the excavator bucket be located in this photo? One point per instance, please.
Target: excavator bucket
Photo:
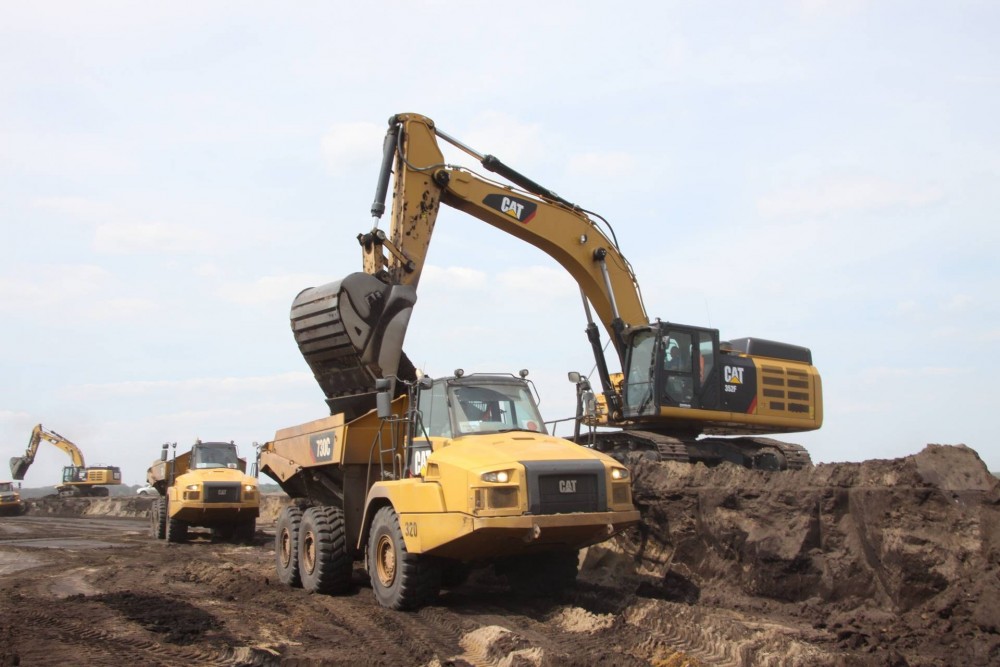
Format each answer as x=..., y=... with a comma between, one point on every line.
x=351, y=333
x=18, y=466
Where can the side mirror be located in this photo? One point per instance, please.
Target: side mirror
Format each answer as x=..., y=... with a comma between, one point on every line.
x=574, y=377
x=163, y=452
x=426, y=382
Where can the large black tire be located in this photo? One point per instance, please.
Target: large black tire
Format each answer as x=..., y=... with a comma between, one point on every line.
x=540, y=575
x=400, y=580
x=177, y=530
x=324, y=562
x=158, y=518
x=286, y=546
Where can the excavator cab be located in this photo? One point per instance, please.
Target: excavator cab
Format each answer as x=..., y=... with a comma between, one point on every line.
x=685, y=373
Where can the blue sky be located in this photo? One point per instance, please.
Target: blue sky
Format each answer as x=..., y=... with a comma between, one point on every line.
x=820, y=173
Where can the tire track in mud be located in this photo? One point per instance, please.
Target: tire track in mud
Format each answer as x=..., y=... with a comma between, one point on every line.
x=80, y=642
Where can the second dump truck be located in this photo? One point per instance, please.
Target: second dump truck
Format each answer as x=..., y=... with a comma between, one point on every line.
x=451, y=474
x=205, y=487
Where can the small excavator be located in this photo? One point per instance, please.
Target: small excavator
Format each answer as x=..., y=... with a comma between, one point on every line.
x=77, y=479
x=681, y=388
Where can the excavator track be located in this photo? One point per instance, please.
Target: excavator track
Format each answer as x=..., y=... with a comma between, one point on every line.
x=749, y=452
x=350, y=332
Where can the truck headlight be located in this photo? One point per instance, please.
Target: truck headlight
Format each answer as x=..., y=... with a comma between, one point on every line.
x=498, y=477
x=192, y=487
x=249, y=488
x=619, y=473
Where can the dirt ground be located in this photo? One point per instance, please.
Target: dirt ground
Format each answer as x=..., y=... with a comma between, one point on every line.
x=876, y=563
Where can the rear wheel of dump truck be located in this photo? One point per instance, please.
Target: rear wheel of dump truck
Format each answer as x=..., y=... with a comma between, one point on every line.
x=324, y=563
x=286, y=546
x=177, y=530
x=400, y=580
x=158, y=519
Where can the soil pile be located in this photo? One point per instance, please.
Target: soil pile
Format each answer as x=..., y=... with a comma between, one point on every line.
x=897, y=561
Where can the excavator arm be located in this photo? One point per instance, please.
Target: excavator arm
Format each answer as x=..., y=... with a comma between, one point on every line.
x=19, y=464
x=532, y=213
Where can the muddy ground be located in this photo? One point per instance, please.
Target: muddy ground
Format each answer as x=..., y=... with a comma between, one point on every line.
x=875, y=563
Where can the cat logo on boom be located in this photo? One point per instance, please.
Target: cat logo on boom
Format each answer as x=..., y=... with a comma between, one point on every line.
x=522, y=210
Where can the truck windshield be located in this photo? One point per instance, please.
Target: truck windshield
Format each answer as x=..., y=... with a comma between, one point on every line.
x=215, y=456
x=486, y=408
x=6, y=486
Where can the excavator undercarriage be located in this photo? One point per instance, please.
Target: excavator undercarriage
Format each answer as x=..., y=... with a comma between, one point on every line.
x=749, y=452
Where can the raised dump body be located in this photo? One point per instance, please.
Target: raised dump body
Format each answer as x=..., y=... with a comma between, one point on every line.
x=459, y=472
x=205, y=487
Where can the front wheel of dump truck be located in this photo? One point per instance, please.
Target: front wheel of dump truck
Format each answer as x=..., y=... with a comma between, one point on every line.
x=158, y=518
x=286, y=546
x=400, y=580
x=324, y=563
x=177, y=530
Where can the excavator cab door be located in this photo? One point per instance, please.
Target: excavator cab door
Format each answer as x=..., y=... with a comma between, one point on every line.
x=674, y=366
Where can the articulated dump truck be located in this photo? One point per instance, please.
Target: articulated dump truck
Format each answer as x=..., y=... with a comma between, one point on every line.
x=451, y=474
x=205, y=487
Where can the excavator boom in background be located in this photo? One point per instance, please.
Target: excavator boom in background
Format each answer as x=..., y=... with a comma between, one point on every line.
x=680, y=387
x=77, y=479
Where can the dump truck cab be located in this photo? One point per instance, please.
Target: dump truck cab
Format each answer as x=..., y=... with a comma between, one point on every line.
x=10, y=499
x=455, y=473
x=204, y=487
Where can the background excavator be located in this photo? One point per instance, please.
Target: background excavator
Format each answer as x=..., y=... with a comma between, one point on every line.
x=77, y=479
x=680, y=387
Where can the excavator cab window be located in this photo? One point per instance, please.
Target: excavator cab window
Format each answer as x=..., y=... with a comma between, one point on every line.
x=639, y=391
x=678, y=386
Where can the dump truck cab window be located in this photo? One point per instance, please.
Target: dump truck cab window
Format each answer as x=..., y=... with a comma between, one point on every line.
x=493, y=407
x=215, y=456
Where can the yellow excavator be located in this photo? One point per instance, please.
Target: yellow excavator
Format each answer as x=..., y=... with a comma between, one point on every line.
x=77, y=479
x=682, y=391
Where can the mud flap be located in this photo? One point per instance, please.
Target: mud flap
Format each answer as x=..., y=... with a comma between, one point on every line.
x=350, y=333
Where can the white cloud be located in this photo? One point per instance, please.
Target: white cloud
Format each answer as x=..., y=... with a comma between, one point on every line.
x=453, y=278
x=77, y=208
x=835, y=197
x=538, y=283
x=203, y=386
x=883, y=374
x=151, y=237
x=611, y=165
x=269, y=289
x=349, y=145
x=43, y=287
x=513, y=141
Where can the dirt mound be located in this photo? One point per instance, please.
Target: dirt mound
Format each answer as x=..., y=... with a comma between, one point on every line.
x=899, y=559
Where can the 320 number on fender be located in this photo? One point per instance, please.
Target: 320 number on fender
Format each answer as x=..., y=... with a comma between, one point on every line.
x=410, y=528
